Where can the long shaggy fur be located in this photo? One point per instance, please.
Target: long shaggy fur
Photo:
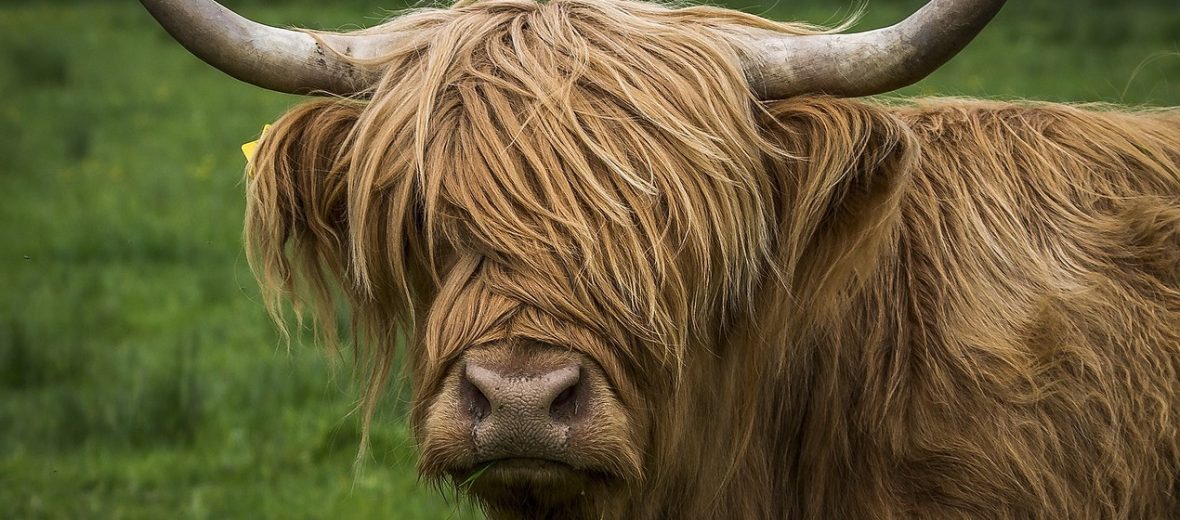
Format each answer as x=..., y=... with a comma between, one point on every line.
x=810, y=308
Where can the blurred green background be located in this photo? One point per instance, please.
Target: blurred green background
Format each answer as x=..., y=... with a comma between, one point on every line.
x=139, y=376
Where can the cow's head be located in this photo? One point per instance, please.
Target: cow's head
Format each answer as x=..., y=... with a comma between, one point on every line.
x=566, y=212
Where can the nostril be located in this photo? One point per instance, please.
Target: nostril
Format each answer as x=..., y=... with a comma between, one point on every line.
x=473, y=400
x=564, y=407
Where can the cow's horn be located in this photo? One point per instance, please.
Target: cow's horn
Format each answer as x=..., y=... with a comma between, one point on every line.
x=273, y=58
x=867, y=63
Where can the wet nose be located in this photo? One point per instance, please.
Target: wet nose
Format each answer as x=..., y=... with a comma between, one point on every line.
x=522, y=413
x=546, y=397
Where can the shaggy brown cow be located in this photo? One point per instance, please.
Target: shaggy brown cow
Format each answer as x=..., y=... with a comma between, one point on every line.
x=630, y=289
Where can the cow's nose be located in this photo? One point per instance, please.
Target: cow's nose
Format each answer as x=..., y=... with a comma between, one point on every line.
x=546, y=397
x=523, y=414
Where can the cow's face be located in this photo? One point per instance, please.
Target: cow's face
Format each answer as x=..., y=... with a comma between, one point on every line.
x=540, y=362
x=578, y=233
x=561, y=229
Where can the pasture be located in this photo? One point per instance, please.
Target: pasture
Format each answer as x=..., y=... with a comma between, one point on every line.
x=139, y=375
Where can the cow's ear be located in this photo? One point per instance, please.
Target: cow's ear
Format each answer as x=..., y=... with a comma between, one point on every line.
x=296, y=211
x=841, y=174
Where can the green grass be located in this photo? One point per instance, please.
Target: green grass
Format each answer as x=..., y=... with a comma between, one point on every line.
x=139, y=376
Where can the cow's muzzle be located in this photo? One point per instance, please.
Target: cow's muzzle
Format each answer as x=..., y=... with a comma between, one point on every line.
x=527, y=414
x=524, y=412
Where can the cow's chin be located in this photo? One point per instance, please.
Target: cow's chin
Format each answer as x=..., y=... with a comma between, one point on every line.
x=535, y=488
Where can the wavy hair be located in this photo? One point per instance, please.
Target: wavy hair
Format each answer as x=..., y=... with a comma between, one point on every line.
x=935, y=308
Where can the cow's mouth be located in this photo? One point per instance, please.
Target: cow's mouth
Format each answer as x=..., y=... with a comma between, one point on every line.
x=515, y=472
x=529, y=484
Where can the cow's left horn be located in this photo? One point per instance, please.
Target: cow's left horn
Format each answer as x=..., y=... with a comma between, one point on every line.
x=278, y=59
x=862, y=64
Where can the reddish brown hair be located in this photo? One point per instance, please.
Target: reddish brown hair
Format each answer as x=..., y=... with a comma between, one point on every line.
x=812, y=307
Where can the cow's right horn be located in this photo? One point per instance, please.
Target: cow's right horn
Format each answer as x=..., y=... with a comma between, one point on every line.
x=278, y=59
x=780, y=66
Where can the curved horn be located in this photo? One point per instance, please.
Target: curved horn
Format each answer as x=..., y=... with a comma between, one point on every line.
x=780, y=66
x=277, y=59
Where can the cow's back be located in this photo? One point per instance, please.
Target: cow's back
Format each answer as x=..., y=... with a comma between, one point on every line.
x=1039, y=264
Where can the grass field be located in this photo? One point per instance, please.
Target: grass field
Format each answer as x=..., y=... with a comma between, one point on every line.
x=139, y=376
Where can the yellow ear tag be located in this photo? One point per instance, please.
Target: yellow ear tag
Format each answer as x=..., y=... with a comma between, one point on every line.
x=249, y=148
